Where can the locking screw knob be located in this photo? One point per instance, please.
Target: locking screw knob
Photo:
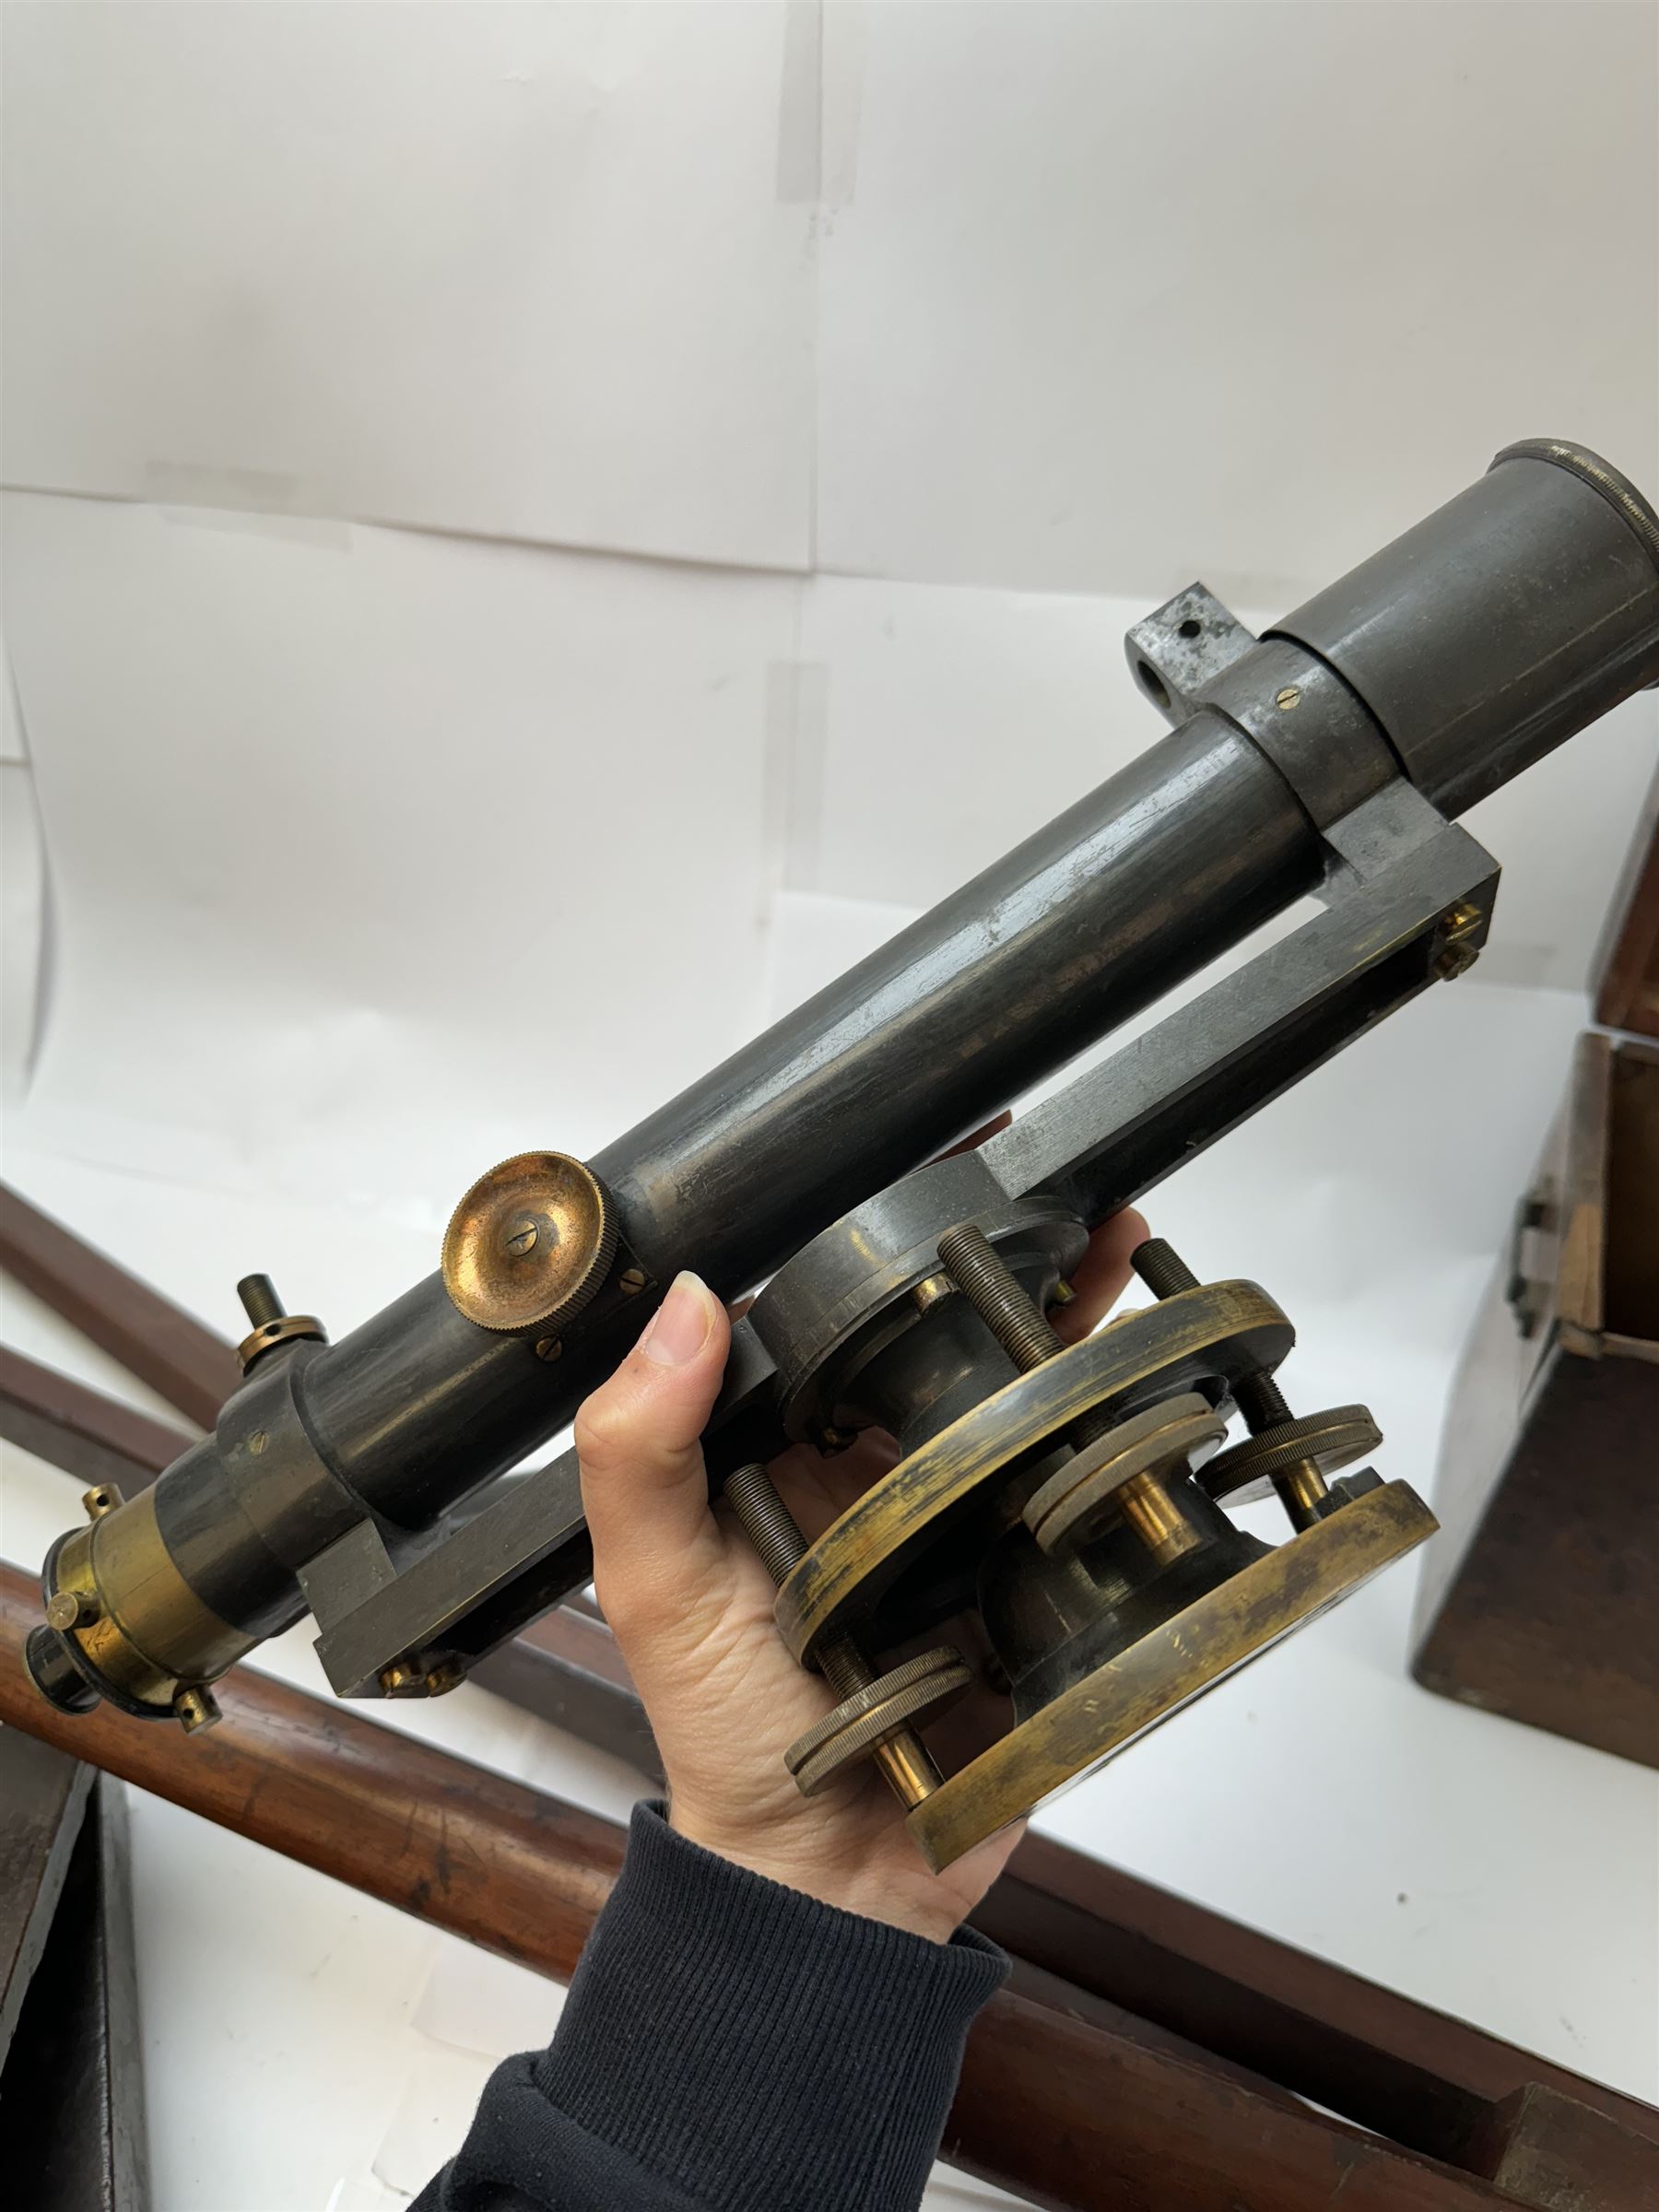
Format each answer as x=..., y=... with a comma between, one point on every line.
x=903, y=1760
x=1148, y=1502
x=1259, y=1399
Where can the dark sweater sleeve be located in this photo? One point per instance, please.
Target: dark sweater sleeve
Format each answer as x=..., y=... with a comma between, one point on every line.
x=728, y=2046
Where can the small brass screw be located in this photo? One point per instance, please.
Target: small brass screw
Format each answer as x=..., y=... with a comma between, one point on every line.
x=549, y=1348
x=1457, y=952
x=68, y=1610
x=633, y=1281
x=1290, y=697
x=520, y=1240
x=195, y=1709
x=103, y=1500
x=401, y=1676
x=257, y=1441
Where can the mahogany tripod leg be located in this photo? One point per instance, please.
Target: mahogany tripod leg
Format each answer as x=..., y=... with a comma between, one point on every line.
x=1064, y=2100
x=1421, y=2078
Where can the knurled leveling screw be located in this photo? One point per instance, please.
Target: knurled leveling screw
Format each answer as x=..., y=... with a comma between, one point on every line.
x=1258, y=1397
x=903, y=1760
x=996, y=1295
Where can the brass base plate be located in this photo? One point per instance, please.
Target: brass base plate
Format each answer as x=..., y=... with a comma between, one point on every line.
x=1189, y=1654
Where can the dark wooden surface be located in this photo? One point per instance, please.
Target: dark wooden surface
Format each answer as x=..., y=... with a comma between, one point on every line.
x=1382, y=2060
x=518, y=1872
x=1628, y=994
x=1541, y=1606
x=1194, y=1977
x=1550, y=1617
x=1551, y=2152
x=1075, y=2115
x=566, y=1668
x=72, y=2092
x=191, y=1367
x=1114, y=2121
x=94, y=1437
x=1417, y=2075
x=44, y=1797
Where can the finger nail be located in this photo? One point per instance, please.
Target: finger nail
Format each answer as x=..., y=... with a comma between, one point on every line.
x=679, y=1328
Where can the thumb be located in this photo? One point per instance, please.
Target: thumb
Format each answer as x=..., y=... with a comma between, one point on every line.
x=644, y=1490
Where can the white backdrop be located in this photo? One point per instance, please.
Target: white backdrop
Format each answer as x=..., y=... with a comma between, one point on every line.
x=536, y=534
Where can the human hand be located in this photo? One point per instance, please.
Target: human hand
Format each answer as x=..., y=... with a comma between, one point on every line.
x=691, y=1607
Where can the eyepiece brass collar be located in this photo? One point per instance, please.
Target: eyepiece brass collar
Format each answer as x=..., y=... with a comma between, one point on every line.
x=529, y=1245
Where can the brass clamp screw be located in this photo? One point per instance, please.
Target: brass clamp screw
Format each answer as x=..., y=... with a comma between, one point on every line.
x=1455, y=949
x=195, y=1707
x=1146, y=1501
x=270, y=1325
x=901, y=1759
x=68, y=1610
x=1300, y=1487
x=406, y=1677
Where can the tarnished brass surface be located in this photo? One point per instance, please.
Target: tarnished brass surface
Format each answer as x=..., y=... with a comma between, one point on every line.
x=1220, y=1329
x=529, y=1244
x=1084, y=1489
x=1153, y=1508
x=1187, y=1655
x=285, y=1329
x=157, y=1637
x=918, y=1690
x=1325, y=1441
x=906, y=1765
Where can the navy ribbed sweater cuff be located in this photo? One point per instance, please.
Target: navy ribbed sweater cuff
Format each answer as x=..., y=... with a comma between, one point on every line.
x=755, y=2049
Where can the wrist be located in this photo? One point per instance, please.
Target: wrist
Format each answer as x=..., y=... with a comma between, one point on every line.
x=797, y=1863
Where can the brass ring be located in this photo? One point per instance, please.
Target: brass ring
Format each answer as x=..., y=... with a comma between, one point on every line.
x=1242, y=1475
x=283, y=1330
x=912, y=1692
x=1068, y=1504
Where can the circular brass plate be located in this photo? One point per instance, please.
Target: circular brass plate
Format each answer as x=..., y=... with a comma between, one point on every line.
x=1073, y=1502
x=1332, y=1440
x=1189, y=1654
x=916, y=1691
x=529, y=1244
x=1220, y=1329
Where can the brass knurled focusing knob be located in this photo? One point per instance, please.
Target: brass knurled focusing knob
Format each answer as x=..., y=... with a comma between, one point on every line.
x=529, y=1245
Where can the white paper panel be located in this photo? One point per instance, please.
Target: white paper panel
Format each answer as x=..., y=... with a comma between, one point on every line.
x=527, y=271
x=23, y=928
x=1127, y=291
x=956, y=721
x=14, y=743
x=378, y=854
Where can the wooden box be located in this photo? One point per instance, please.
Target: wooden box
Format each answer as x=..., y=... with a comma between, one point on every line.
x=1540, y=1600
